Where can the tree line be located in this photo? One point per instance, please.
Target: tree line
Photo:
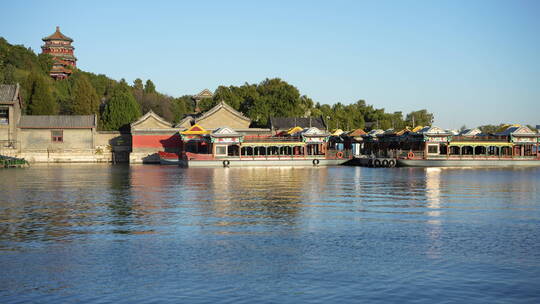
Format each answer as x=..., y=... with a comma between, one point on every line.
x=118, y=103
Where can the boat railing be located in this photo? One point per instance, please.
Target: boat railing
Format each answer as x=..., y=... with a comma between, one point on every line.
x=197, y=156
x=482, y=138
x=267, y=139
x=338, y=154
x=411, y=154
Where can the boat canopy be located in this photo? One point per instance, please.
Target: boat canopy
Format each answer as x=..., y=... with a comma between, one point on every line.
x=294, y=130
x=337, y=132
x=417, y=128
x=477, y=143
x=276, y=144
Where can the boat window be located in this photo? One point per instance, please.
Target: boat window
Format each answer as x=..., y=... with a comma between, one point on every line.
x=433, y=149
x=221, y=150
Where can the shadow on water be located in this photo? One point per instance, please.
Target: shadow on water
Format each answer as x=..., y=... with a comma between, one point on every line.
x=121, y=203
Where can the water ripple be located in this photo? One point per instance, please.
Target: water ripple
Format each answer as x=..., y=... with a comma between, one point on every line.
x=154, y=234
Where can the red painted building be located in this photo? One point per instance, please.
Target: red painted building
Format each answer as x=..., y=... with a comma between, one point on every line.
x=150, y=134
x=59, y=47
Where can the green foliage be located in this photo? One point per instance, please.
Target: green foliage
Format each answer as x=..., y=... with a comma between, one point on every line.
x=419, y=118
x=492, y=129
x=85, y=99
x=83, y=92
x=182, y=106
x=150, y=100
x=271, y=97
x=149, y=87
x=138, y=84
x=121, y=109
x=41, y=101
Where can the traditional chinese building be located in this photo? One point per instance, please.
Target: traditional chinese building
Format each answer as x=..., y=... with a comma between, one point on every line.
x=204, y=94
x=59, y=47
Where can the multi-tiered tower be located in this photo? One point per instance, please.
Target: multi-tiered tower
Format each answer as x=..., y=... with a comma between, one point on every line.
x=59, y=47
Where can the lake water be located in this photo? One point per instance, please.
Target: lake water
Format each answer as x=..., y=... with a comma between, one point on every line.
x=158, y=234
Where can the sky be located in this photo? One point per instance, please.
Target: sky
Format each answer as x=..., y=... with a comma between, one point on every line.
x=468, y=62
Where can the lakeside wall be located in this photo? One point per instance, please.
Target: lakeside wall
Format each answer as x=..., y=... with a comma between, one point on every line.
x=84, y=146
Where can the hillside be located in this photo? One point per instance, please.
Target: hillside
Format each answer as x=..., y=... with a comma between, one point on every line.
x=117, y=103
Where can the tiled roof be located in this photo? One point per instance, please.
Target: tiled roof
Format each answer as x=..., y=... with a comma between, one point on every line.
x=8, y=93
x=57, y=35
x=285, y=123
x=57, y=121
x=357, y=133
x=154, y=116
x=221, y=105
x=204, y=94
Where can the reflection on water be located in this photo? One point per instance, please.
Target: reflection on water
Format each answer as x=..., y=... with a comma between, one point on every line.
x=268, y=234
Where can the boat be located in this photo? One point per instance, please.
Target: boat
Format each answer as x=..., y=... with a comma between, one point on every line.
x=434, y=147
x=167, y=158
x=224, y=147
x=477, y=162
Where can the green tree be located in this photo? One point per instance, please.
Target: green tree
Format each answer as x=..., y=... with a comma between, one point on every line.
x=121, y=109
x=138, y=84
x=85, y=100
x=182, y=106
x=149, y=87
x=41, y=101
x=492, y=129
x=419, y=118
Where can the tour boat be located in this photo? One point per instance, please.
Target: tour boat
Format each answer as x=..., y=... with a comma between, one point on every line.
x=224, y=147
x=434, y=147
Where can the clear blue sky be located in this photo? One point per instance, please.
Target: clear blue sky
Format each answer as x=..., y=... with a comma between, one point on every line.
x=468, y=62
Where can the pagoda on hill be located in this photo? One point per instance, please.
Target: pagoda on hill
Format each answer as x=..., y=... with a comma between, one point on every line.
x=59, y=47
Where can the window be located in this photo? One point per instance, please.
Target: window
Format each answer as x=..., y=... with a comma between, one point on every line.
x=221, y=150
x=433, y=149
x=4, y=116
x=57, y=135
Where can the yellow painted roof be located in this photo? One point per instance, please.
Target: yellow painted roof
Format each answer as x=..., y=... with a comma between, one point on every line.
x=195, y=130
x=403, y=131
x=417, y=128
x=294, y=130
x=337, y=132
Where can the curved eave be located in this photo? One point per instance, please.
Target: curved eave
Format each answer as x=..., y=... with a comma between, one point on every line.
x=53, y=37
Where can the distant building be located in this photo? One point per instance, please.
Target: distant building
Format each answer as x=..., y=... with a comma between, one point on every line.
x=151, y=133
x=59, y=47
x=57, y=132
x=10, y=111
x=204, y=94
